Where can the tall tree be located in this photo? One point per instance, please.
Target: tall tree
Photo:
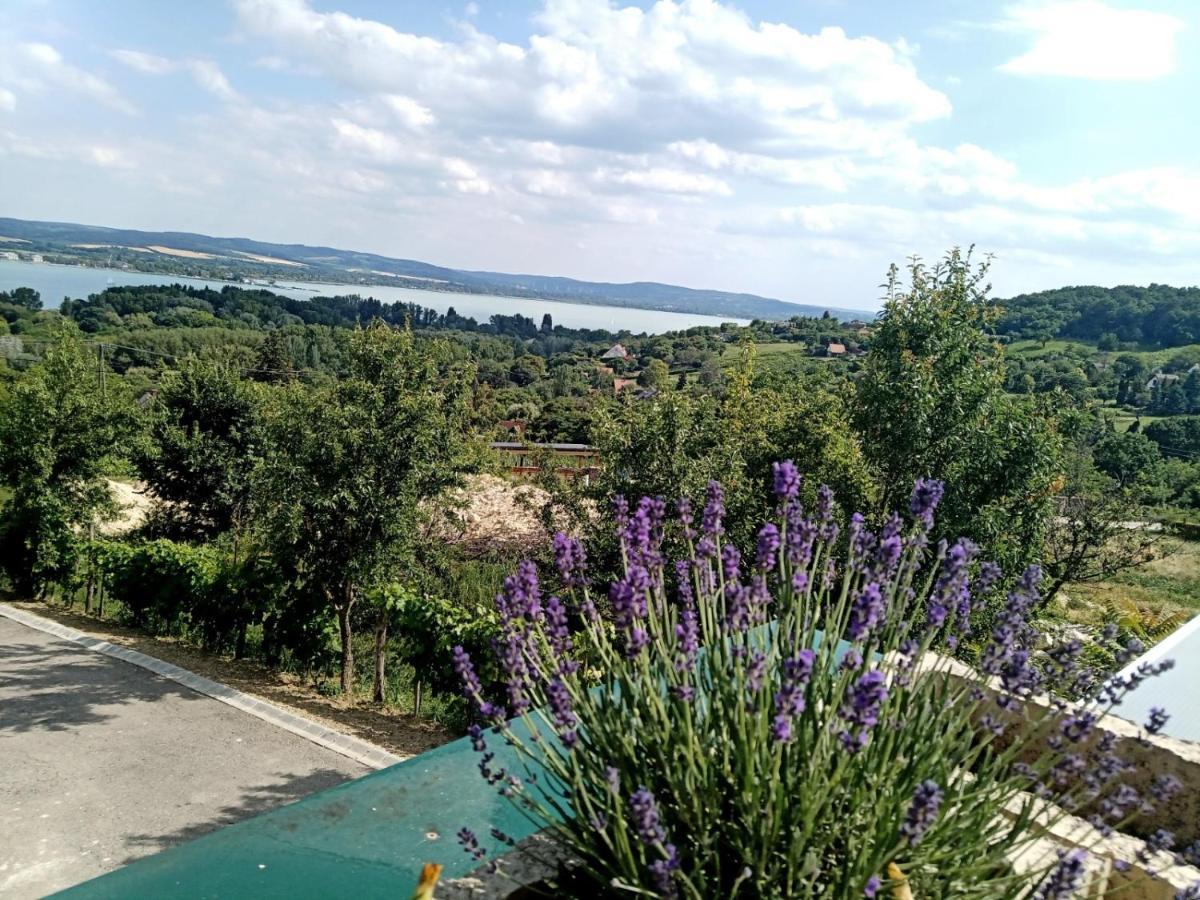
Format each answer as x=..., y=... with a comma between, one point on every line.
x=205, y=439
x=350, y=465
x=931, y=403
x=60, y=426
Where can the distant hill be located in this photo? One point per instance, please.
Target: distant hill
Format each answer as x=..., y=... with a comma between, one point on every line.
x=1157, y=315
x=184, y=253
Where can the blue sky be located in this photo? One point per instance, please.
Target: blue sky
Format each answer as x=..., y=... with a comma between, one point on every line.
x=792, y=149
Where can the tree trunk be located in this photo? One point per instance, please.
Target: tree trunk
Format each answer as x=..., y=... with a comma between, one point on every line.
x=381, y=630
x=343, y=612
x=416, y=696
x=89, y=596
x=239, y=649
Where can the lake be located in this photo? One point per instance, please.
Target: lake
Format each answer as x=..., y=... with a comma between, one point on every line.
x=77, y=282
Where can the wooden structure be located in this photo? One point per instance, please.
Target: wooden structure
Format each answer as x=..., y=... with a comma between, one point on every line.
x=525, y=460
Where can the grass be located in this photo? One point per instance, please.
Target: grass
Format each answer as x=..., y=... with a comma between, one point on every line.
x=1153, y=358
x=1155, y=599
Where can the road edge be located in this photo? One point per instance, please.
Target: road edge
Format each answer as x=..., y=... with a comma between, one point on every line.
x=360, y=751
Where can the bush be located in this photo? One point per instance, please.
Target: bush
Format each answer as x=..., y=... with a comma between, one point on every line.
x=162, y=584
x=715, y=739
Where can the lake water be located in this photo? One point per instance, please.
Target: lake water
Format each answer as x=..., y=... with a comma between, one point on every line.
x=77, y=282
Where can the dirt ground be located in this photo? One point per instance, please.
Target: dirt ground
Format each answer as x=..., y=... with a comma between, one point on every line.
x=401, y=733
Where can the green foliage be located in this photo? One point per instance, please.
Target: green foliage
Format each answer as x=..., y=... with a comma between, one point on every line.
x=1124, y=456
x=1158, y=315
x=931, y=403
x=60, y=425
x=348, y=466
x=205, y=441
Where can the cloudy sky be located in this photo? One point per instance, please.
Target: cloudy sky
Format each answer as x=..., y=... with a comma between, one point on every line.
x=791, y=148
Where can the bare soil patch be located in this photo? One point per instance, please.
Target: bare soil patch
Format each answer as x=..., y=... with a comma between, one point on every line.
x=186, y=254
x=401, y=733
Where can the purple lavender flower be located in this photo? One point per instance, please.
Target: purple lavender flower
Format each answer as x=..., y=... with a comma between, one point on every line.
x=922, y=813
x=866, y=612
x=1164, y=787
x=871, y=888
x=571, y=560
x=768, y=547
x=787, y=480
x=926, y=495
x=1065, y=879
x=470, y=843
x=472, y=688
x=475, y=733
x=559, y=634
x=756, y=671
x=629, y=607
x=1158, y=720
x=521, y=596
x=861, y=709
x=563, y=712
x=714, y=511
x=662, y=871
x=687, y=635
x=644, y=813
x=686, y=518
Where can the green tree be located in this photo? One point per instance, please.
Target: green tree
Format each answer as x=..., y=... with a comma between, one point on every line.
x=931, y=403
x=205, y=440
x=350, y=465
x=25, y=297
x=1124, y=457
x=273, y=362
x=60, y=426
x=655, y=376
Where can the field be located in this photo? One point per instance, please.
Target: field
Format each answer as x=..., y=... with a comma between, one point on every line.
x=1152, y=358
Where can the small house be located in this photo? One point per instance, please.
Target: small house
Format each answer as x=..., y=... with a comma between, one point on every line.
x=616, y=351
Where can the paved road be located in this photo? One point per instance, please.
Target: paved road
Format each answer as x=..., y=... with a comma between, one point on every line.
x=102, y=762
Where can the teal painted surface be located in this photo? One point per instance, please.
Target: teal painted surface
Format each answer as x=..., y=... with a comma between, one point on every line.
x=367, y=838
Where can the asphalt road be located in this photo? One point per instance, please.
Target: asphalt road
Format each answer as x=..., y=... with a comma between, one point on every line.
x=102, y=762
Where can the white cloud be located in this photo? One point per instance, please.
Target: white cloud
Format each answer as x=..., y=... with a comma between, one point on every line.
x=8, y=100
x=147, y=63
x=670, y=181
x=606, y=76
x=411, y=113
x=206, y=73
x=40, y=66
x=1091, y=39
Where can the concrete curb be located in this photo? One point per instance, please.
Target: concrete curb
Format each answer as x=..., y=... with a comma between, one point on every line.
x=345, y=744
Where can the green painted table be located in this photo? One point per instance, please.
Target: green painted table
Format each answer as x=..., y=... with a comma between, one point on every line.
x=366, y=838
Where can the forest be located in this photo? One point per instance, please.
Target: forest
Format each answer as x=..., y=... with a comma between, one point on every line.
x=305, y=458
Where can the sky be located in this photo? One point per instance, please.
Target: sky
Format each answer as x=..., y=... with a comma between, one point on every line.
x=791, y=148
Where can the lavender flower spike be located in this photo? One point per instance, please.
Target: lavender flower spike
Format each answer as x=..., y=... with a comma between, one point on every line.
x=927, y=800
x=787, y=480
x=1065, y=879
x=646, y=820
x=926, y=495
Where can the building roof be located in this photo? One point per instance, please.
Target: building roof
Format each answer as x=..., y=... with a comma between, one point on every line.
x=836, y=348
x=616, y=351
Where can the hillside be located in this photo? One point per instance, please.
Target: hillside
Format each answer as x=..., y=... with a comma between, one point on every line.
x=184, y=253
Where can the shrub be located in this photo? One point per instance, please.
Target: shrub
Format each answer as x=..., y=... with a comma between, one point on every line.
x=779, y=726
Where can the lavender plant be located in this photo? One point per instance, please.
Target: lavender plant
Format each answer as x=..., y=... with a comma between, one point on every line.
x=783, y=724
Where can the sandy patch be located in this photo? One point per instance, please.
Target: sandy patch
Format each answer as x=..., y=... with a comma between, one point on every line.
x=186, y=254
x=270, y=259
x=11, y=240
x=134, y=504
